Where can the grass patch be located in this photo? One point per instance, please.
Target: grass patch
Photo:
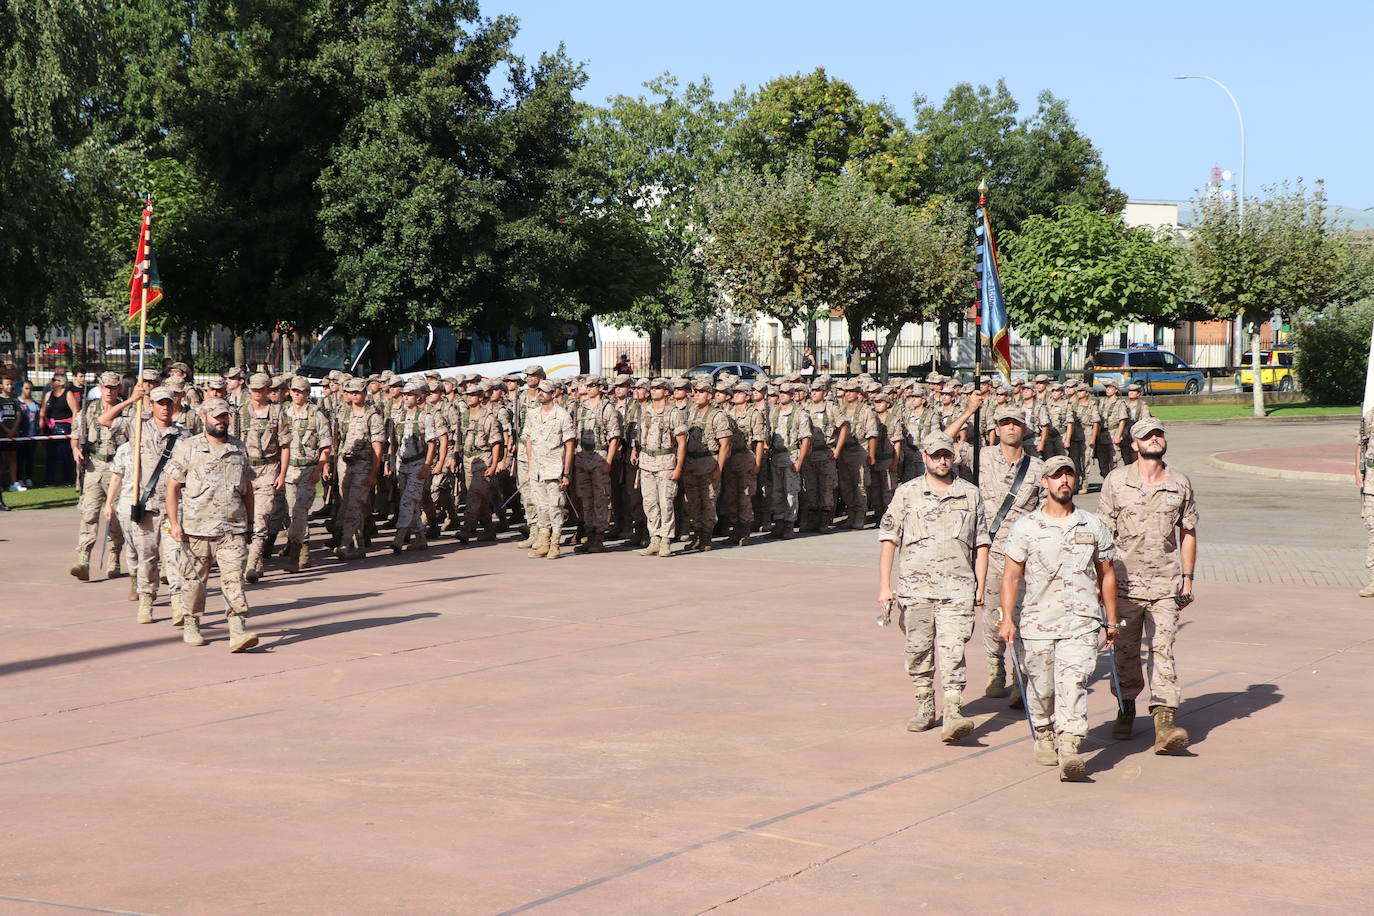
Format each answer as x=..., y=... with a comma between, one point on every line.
x=43, y=498
x=1233, y=411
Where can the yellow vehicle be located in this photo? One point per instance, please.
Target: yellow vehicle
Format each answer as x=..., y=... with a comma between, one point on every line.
x=1276, y=370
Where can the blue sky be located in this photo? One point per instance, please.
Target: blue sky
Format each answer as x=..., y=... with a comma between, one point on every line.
x=1296, y=70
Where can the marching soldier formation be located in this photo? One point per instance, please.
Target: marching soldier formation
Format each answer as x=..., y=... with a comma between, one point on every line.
x=709, y=462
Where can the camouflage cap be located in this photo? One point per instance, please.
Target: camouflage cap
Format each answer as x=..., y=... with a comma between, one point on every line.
x=355, y=386
x=299, y=383
x=703, y=383
x=161, y=393
x=661, y=382
x=793, y=388
x=535, y=369
x=1053, y=465
x=281, y=381
x=743, y=387
x=595, y=381
x=1041, y=378
x=334, y=375
x=936, y=441
x=395, y=382
x=547, y=386
x=621, y=379
x=236, y=372
x=216, y=384
x=1110, y=383
x=823, y=379
x=678, y=383
x=109, y=378
x=934, y=378
x=917, y=391
x=1144, y=426
x=213, y=407
x=259, y=380
x=176, y=383
x=641, y=383
x=1136, y=385
x=415, y=386
x=884, y=396
x=180, y=367
x=433, y=374
x=434, y=386
x=474, y=391
x=1010, y=413
x=1055, y=386
x=150, y=375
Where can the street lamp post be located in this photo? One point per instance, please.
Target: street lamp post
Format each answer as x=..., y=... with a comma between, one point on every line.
x=1258, y=399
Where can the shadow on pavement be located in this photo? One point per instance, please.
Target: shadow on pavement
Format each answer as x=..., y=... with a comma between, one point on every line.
x=289, y=636
x=1199, y=715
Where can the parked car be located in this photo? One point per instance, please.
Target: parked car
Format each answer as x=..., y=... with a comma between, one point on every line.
x=64, y=351
x=1276, y=370
x=131, y=349
x=745, y=371
x=1161, y=371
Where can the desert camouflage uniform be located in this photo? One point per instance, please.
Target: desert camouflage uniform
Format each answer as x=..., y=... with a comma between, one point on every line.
x=481, y=432
x=1057, y=415
x=658, y=432
x=411, y=433
x=439, y=501
x=852, y=468
x=1085, y=416
x=311, y=433
x=98, y=445
x=353, y=465
x=1367, y=491
x=214, y=519
x=819, y=477
x=1135, y=411
x=263, y=436
x=915, y=425
x=1059, y=617
x=545, y=433
x=145, y=537
x=706, y=427
x=1145, y=520
x=789, y=427
x=884, y=476
x=1112, y=411
x=595, y=425
x=937, y=536
x=740, y=478
x=995, y=477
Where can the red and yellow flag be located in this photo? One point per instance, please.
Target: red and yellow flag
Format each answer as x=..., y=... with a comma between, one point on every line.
x=145, y=278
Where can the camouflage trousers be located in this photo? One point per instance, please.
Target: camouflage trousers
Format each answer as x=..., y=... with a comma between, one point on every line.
x=265, y=498
x=818, y=481
x=144, y=540
x=592, y=486
x=632, y=498
x=550, y=504
x=784, y=490
x=300, y=496
x=1145, y=648
x=737, y=489
x=658, y=491
x=439, y=500
x=94, y=483
x=913, y=465
x=1367, y=516
x=995, y=646
x=193, y=560
x=483, y=491
x=353, y=500
x=852, y=470
x=1056, y=673
x=936, y=632
x=700, y=492
x=409, y=480
x=882, y=481
x=1054, y=446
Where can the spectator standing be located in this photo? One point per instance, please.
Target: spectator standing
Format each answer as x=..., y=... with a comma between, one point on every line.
x=55, y=414
x=29, y=427
x=11, y=421
x=623, y=365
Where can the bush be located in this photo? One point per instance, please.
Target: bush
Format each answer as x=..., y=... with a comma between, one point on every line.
x=212, y=361
x=1333, y=352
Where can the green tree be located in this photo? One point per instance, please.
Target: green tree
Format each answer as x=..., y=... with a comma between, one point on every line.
x=1282, y=259
x=52, y=167
x=1032, y=165
x=1083, y=273
x=1333, y=351
x=655, y=151
x=820, y=121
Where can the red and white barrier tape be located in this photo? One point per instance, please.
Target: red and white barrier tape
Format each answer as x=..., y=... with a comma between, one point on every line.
x=33, y=439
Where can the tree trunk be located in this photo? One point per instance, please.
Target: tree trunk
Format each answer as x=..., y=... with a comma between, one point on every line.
x=238, y=349
x=884, y=358
x=943, y=322
x=655, y=351
x=1257, y=388
x=1058, y=358
x=856, y=334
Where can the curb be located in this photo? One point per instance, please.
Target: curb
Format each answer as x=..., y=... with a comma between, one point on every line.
x=1279, y=473
x=1315, y=418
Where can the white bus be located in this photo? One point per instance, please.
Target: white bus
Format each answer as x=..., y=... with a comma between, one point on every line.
x=563, y=348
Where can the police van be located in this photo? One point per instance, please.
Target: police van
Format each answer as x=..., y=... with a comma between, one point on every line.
x=1161, y=371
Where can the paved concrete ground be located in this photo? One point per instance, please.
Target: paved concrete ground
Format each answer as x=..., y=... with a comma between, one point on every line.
x=472, y=731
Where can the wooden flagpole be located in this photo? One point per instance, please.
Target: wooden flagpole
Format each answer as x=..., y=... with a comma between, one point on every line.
x=143, y=266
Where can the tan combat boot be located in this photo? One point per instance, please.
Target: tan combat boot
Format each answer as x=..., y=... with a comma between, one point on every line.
x=743, y=539
x=652, y=549
x=997, y=678
x=1071, y=765
x=116, y=568
x=240, y=640
x=178, y=611
x=956, y=726
x=292, y=553
x=145, y=608
x=596, y=543
x=1045, y=754
x=540, y=545
x=252, y=571
x=303, y=563
x=1366, y=592
x=704, y=540
x=665, y=547
x=190, y=632
x=81, y=569
x=555, y=541
x=133, y=588
x=528, y=542
x=1014, y=700
x=1168, y=736
x=925, y=712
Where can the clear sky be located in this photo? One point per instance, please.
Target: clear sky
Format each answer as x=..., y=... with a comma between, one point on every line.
x=1296, y=68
